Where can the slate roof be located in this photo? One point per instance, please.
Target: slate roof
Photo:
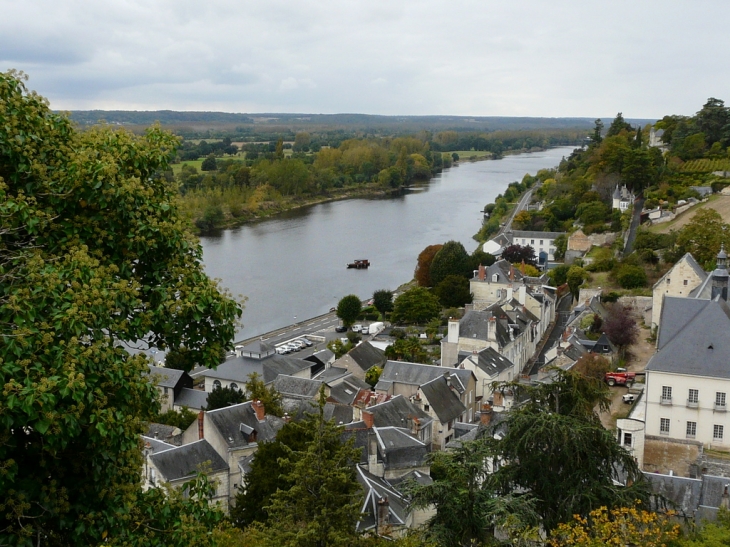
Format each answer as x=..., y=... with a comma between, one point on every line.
x=258, y=346
x=417, y=374
x=376, y=489
x=155, y=445
x=166, y=377
x=397, y=447
x=299, y=409
x=475, y=324
x=367, y=356
x=322, y=356
x=503, y=269
x=536, y=235
x=291, y=386
x=444, y=402
x=700, y=347
x=331, y=374
x=235, y=423
x=346, y=392
x=238, y=369
x=676, y=313
x=184, y=461
x=397, y=412
x=167, y=433
x=490, y=361
x=193, y=399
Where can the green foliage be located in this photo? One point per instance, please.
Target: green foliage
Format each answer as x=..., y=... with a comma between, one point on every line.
x=383, y=301
x=480, y=258
x=631, y=277
x=322, y=505
x=256, y=390
x=94, y=254
x=556, y=448
x=372, y=375
x=559, y=275
x=453, y=292
x=464, y=494
x=561, y=245
x=417, y=305
x=338, y=348
x=575, y=277
x=221, y=397
x=180, y=359
x=174, y=517
x=408, y=349
x=177, y=418
x=710, y=534
x=209, y=164
x=703, y=235
x=451, y=259
x=348, y=308
x=268, y=474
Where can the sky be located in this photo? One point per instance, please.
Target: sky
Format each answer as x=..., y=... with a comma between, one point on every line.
x=577, y=58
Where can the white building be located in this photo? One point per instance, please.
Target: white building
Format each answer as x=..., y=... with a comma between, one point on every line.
x=623, y=198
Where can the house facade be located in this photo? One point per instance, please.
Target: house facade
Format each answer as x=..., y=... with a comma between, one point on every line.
x=682, y=278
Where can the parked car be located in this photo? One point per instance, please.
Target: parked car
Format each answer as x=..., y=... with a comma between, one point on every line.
x=629, y=398
x=356, y=328
x=307, y=342
x=364, y=330
x=340, y=328
x=282, y=350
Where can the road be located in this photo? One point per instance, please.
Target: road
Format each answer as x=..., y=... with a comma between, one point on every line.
x=522, y=204
x=562, y=314
x=635, y=219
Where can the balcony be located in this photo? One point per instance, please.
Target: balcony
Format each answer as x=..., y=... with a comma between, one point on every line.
x=720, y=407
x=665, y=401
x=692, y=404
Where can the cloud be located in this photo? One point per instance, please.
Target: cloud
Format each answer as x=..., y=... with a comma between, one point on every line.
x=563, y=58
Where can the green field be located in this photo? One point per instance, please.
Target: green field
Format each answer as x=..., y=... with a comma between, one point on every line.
x=465, y=155
x=177, y=167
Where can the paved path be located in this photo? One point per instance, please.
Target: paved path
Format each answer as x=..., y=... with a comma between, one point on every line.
x=562, y=313
x=635, y=219
x=522, y=204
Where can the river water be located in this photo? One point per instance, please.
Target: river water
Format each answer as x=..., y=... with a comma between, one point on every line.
x=292, y=267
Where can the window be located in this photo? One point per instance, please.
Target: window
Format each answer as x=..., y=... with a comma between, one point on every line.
x=720, y=401
x=532, y=242
x=693, y=398
x=216, y=384
x=685, y=282
x=717, y=431
x=691, y=430
x=627, y=439
x=668, y=280
x=495, y=278
x=234, y=385
x=541, y=242
x=666, y=395
x=664, y=426
x=426, y=408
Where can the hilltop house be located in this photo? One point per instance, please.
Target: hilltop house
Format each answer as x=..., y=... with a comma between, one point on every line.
x=623, y=198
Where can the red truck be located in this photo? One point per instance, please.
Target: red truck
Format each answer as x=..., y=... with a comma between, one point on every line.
x=621, y=377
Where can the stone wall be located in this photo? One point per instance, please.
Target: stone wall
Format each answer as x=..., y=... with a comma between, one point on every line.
x=665, y=455
x=642, y=306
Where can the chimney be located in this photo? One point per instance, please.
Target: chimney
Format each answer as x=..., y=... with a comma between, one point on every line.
x=415, y=426
x=725, y=502
x=383, y=512
x=485, y=416
x=498, y=398
x=492, y=329
x=201, y=417
x=482, y=272
x=372, y=453
x=373, y=399
x=258, y=408
x=453, y=334
x=367, y=417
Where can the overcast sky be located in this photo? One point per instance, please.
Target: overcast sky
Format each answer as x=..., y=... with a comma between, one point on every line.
x=481, y=57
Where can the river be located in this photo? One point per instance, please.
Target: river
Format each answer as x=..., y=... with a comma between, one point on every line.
x=292, y=267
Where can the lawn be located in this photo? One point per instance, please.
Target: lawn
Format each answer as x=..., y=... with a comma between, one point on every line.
x=719, y=203
x=466, y=155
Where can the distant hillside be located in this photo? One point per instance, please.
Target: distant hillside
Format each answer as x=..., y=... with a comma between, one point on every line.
x=211, y=120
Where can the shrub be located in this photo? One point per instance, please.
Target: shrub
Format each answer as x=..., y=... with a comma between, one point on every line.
x=631, y=277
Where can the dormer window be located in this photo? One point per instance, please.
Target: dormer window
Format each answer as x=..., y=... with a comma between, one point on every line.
x=495, y=278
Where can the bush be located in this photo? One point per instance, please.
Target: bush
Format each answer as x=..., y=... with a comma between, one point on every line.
x=631, y=277
x=602, y=265
x=612, y=296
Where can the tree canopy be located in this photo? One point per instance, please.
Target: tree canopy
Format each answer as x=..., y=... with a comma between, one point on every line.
x=94, y=255
x=383, y=301
x=416, y=305
x=422, y=273
x=348, y=309
x=452, y=259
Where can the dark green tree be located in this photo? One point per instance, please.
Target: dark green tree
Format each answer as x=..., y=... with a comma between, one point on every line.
x=556, y=448
x=180, y=359
x=177, y=418
x=209, y=164
x=256, y=390
x=348, y=309
x=383, y=301
x=221, y=397
x=559, y=275
x=617, y=125
x=453, y=292
x=480, y=258
x=94, y=255
x=597, y=137
x=322, y=505
x=452, y=259
x=267, y=475
x=408, y=349
x=575, y=277
x=416, y=305
x=714, y=121
x=465, y=495
x=631, y=277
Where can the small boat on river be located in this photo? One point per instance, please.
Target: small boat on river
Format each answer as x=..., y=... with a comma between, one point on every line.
x=359, y=264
